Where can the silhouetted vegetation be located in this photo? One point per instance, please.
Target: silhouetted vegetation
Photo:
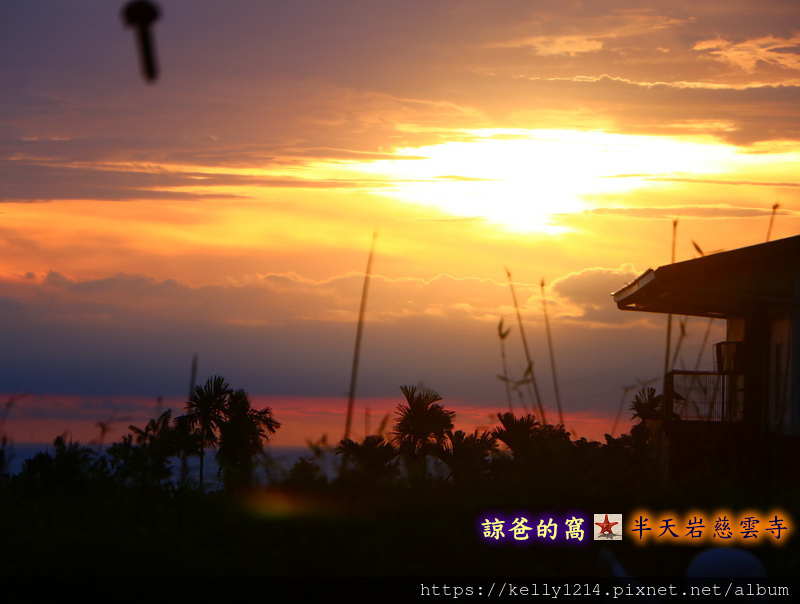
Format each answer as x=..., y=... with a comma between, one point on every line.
x=405, y=502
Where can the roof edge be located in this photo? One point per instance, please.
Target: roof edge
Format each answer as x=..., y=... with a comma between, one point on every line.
x=630, y=288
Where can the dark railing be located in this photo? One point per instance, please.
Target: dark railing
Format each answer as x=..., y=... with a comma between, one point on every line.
x=704, y=395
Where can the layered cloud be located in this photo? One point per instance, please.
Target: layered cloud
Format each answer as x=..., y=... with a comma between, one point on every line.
x=227, y=210
x=114, y=346
x=750, y=55
x=129, y=316
x=586, y=295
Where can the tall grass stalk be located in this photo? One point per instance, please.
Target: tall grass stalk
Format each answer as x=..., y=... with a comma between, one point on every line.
x=552, y=356
x=12, y=400
x=775, y=207
x=503, y=334
x=710, y=319
x=625, y=392
x=669, y=316
x=705, y=343
x=529, y=371
x=682, y=335
x=192, y=376
x=184, y=477
x=4, y=454
x=351, y=396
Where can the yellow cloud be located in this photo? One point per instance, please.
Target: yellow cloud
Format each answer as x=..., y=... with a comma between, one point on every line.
x=769, y=50
x=559, y=45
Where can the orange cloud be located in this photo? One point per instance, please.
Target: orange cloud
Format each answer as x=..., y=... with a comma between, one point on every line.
x=747, y=55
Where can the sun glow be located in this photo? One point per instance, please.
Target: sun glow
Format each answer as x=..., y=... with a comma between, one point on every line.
x=524, y=179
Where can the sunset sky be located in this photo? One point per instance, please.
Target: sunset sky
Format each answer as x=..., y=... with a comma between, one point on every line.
x=227, y=209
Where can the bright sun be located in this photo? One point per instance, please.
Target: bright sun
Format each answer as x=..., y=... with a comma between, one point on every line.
x=523, y=179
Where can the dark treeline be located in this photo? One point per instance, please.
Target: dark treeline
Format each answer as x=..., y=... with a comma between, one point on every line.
x=216, y=416
x=401, y=502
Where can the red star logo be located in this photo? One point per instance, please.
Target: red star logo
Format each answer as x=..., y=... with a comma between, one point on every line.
x=605, y=526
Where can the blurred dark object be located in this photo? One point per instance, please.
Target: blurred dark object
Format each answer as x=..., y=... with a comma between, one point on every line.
x=141, y=15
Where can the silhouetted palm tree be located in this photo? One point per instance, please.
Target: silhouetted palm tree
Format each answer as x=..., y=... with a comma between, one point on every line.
x=373, y=459
x=243, y=431
x=205, y=410
x=517, y=433
x=421, y=427
x=188, y=443
x=157, y=443
x=649, y=408
x=646, y=404
x=421, y=422
x=467, y=455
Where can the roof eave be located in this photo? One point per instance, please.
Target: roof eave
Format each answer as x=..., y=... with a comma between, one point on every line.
x=629, y=289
